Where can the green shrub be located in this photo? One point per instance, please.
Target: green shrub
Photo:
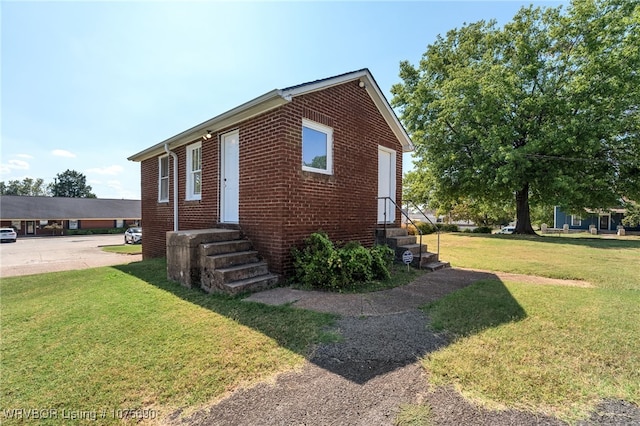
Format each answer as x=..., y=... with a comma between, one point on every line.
x=482, y=230
x=427, y=228
x=320, y=264
x=95, y=231
x=448, y=227
x=382, y=258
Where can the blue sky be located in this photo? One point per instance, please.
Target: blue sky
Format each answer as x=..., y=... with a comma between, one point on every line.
x=84, y=85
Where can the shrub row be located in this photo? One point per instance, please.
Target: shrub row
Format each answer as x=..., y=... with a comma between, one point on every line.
x=95, y=231
x=479, y=230
x=320, y=264
x=427, y=228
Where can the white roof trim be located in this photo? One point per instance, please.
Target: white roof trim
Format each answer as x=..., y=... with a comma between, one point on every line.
x=275, y=99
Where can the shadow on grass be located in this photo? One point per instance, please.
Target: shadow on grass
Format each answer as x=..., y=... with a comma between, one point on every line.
x=485, y=304
x=592, y=242
x=294, y=329
x=392, y=334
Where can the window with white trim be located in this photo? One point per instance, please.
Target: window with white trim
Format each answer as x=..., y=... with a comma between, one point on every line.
x=576, y=220
x=317, y=147
x=194, y=171
x=163, y=179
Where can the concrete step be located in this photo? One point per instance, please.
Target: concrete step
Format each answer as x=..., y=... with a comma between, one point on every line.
x=226, y=260
x=434, y=266
x=221, y=247
x=427, y=258
x=413, y=248
x=391, y=232
x=259, y=283
x=398, y=241
x=241, y=272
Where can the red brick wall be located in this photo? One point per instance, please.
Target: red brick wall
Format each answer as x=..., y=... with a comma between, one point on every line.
x=280, y=204
x=344, y=204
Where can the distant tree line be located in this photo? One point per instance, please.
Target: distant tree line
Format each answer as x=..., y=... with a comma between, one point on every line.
x=70, y=184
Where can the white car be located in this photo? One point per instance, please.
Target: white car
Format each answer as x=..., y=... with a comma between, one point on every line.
x=133, y=236
x=507, y=230
x=8, y=234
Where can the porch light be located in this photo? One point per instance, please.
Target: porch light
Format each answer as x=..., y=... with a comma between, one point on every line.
x=207, y=136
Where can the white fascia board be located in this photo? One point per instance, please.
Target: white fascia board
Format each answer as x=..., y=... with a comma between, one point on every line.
x=259, y=105
x=389, y=115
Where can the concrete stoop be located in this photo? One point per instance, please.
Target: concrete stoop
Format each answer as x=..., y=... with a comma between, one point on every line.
x=220, y=261
x=400, y=241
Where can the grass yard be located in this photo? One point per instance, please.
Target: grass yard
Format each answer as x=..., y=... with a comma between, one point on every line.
x=124, y=249
x=544, y=348
x=604, y=262
x=117, y=338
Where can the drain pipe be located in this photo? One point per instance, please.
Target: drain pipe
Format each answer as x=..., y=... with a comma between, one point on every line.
x=175, y=185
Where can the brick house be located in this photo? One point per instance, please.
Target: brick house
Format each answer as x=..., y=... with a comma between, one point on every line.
x=309, y=157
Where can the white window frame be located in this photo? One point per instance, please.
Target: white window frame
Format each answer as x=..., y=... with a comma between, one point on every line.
x=161, y=178
x=73, y=223
x=191, y=193
x=327, y=131
x=576, y=220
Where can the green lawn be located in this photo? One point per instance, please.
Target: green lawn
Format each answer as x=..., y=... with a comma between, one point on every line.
x=551, y=349
x=604, y=262
x=126, y=338
x=124, y=249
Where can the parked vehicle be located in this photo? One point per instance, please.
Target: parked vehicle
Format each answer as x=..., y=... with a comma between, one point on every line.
x=8, y=234
x=507, y=230
x=133, y=236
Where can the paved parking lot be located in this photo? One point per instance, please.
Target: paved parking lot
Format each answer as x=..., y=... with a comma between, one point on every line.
x=36, y=255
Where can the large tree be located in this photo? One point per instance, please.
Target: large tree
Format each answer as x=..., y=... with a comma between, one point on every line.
x=71, y=184
x=27, y=186
x=544, y=110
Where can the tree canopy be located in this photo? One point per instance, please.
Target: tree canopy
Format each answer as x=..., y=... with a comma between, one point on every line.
x=71, y=184
x=543, y=111
x=27, y=186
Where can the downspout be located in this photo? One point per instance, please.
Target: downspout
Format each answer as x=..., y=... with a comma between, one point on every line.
x=175, y=185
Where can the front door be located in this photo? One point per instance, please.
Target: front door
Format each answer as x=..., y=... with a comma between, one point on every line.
x=31, y=227
x=604, y=223
x=386, y=184
x=229, y=178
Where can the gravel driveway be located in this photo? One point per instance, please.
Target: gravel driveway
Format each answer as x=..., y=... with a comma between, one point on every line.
x=366, y=377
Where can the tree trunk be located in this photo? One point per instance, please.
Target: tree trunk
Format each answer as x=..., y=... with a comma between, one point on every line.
x=523, y=216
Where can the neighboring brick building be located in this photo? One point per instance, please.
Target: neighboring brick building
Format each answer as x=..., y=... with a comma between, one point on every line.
x=32, y=216
x=289, y=163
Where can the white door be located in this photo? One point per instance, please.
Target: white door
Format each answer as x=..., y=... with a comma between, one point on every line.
x=386, y=184
x=229, y=178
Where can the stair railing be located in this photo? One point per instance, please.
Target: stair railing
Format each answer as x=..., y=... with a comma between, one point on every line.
x=410, y=204
x=406, y=215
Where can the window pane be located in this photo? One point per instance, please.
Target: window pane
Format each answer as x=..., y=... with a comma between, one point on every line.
x=314, y=148
x=164, y=166
x=196, y=183
x=164, y=189
x=195, y=159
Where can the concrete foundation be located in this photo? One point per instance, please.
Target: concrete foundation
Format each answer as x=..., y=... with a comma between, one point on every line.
x=183, y=253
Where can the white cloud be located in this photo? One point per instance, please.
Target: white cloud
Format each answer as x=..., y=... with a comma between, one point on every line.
x=12, y=165
x=110, y=170
x=63, y=153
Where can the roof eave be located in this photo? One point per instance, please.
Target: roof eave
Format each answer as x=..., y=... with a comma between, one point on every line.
x=275, y=99
x=254, y=107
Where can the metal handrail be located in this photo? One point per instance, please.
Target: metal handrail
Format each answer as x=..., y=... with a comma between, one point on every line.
x=415, y=206
x=408, y=218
